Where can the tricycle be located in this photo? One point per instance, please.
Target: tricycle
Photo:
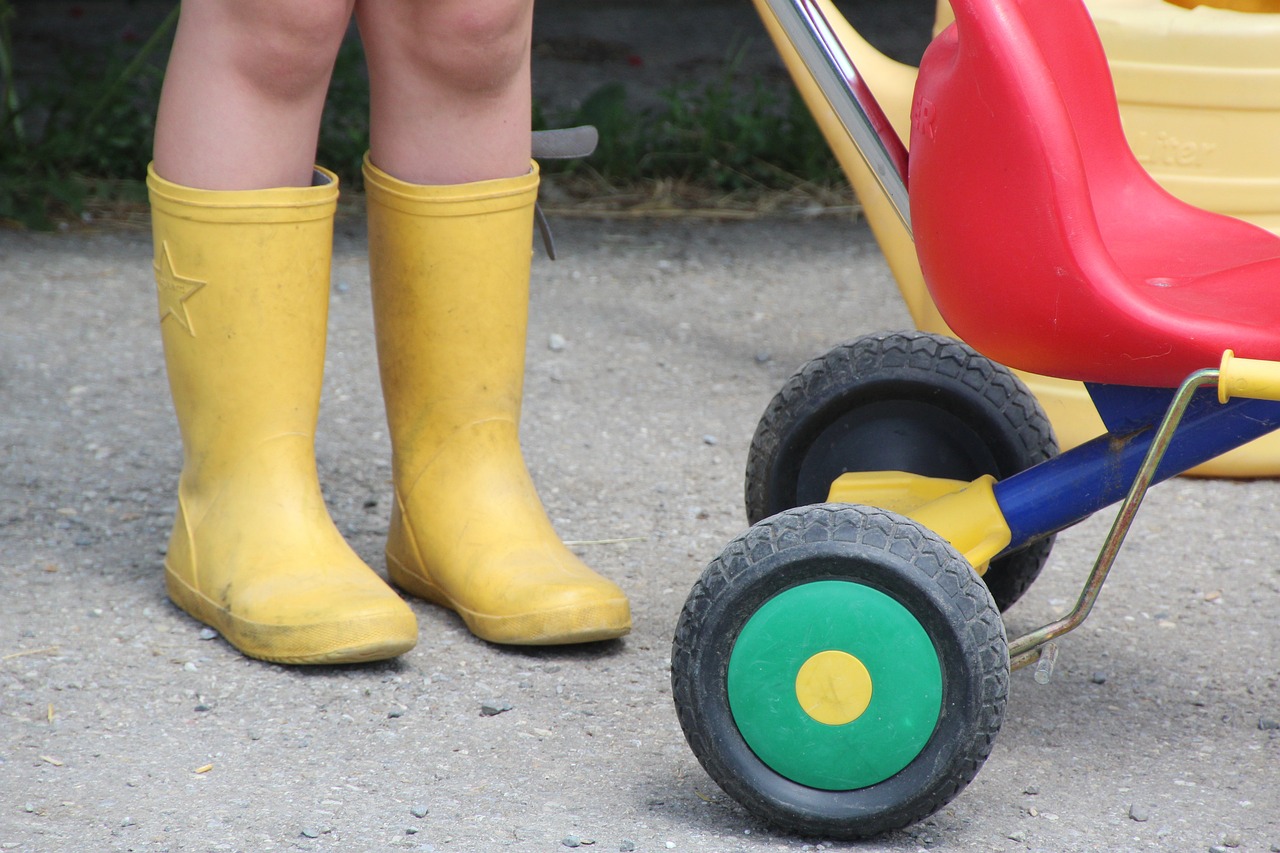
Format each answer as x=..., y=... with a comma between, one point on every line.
x=842, y=668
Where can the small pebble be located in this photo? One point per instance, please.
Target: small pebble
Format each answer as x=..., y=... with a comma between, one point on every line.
x=572, y=841
x=710, y=440
x=419, y=811
x=1018, y=836
x=556, y=343
x=1099, y=677
x=395, y=713
x=627, y=846
x=1267, y=724
x=763, y=357
x=1139, y=813
x=203, y=706
x=494, y=708
x=1232, y=839
x=208, y=634
x=411, y=830
x=1217, y=848
x=128, y=821
x=310, y=832
x=29, y=808
x=1031, y=790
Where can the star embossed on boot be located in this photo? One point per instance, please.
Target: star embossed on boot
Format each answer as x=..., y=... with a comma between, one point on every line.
x=174, y=290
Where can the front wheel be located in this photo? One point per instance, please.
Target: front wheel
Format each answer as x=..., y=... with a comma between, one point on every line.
x=840, y=671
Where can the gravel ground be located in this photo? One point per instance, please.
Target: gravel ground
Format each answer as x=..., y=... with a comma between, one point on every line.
x=653, y=349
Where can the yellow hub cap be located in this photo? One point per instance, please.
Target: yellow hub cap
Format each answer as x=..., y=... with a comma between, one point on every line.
x=833, y=687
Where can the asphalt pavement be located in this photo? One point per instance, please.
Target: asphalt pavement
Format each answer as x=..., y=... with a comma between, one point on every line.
x=653, y=349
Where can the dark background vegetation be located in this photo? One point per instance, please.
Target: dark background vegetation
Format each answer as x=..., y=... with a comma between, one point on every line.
x=79, y=83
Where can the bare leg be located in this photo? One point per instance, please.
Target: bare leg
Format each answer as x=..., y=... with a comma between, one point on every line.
x=244, y=92
x=450, y=87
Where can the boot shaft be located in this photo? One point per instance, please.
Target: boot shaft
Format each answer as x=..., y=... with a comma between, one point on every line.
x=243, y=286
x=450, y=273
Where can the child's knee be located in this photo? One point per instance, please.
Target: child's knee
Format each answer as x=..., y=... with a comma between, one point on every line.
x=286, y=48
x=473, y=46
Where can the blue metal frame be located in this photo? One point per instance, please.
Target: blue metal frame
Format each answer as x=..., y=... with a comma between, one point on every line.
x=1069, y=488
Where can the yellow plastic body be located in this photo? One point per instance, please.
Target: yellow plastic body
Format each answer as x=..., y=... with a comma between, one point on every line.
x=1198, y=85
x=450, y=272
x=895, y=491
x=243, y=284
x=1248, y=377
x=891, y=83
x=1233, y=5
x=1199, y=93
x=964, y=514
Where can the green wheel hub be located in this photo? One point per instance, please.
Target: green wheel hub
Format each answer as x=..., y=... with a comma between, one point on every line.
x=835, y=685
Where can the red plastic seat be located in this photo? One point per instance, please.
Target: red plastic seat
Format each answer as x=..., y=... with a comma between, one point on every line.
x=1044, y=243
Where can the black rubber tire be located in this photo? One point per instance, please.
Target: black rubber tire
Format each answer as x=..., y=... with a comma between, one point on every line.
x=889, y=553
x=906, y=401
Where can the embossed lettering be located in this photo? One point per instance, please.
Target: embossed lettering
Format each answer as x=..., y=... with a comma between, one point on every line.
x=1165, y=149
x=924, y=117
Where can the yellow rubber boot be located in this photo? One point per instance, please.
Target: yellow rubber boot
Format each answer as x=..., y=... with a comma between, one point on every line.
x=243, y=281
x=450, y=270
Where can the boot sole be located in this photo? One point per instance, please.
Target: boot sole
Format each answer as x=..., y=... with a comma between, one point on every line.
x=358, y=640
x=589, y=623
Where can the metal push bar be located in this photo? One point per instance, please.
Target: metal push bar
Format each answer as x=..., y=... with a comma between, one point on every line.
x=850, y=98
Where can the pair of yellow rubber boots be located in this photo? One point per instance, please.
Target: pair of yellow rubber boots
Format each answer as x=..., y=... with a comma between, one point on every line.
x=243, y=283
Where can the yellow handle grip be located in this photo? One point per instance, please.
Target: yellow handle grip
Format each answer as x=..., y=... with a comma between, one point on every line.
x=1248, y=377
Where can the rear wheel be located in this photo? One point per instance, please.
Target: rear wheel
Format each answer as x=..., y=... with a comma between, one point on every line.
x=914, y=402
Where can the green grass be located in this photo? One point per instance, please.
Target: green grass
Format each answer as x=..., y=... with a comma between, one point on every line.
x=79, y=134
x=83, y=136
